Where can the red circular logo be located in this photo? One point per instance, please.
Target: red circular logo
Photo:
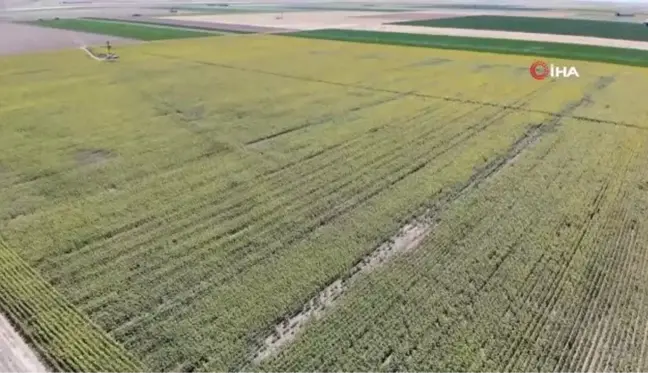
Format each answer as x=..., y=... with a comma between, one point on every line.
x=539, y=70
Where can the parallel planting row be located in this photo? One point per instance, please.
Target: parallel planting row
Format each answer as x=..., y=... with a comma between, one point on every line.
x=543, y=268
x=64, y=338
x=229, y=180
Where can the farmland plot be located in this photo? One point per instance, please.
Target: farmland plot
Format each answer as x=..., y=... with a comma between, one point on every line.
x=541, y=269
x=197, y=192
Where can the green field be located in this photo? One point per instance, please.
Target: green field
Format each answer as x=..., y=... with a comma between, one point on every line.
x=482, y=7
x=560, y=26
x=283, y=8
x=422, y=209
x=631, y=57
x=129, y=30
x=213, y=31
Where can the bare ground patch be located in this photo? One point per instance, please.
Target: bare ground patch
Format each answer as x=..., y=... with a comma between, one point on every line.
x=92, y=156
x=430, y=62
x=19, y=38
x=15, y=354
x=409, y=16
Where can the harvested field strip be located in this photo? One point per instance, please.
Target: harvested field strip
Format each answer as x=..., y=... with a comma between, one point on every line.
x=285, y=8
x=65, y=339
x=122, y=29
x=559, y=26
x=631, y=57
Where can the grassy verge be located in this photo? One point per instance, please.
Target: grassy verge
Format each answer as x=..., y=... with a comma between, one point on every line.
x=123, y=29
x=560, y=26
x=620, y=56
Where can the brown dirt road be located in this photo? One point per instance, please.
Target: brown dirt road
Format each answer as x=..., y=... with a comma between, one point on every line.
x=15, y=355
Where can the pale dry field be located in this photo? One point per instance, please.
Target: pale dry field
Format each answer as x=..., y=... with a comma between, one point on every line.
x=18, y=39
x=377, y=21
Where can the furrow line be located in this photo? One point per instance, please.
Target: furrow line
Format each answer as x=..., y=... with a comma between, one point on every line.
x=408, y=237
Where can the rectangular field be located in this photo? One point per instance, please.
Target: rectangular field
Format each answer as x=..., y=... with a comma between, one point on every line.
x=123, y=29
x=190, y=197
x=561, y=26
x=631, y=57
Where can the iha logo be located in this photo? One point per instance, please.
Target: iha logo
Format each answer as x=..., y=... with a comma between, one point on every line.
x=540, y=70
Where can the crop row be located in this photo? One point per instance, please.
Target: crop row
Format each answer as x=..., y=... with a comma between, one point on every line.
x=64, y=337
x=218, y=189
x=533, y=272
x=187, y=265
x=236, y=248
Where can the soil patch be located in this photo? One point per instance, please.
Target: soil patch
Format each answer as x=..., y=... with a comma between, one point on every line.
x=20, y=38
x=410, y=16
x=92, y=156
x=15, y=354
x=203, y=25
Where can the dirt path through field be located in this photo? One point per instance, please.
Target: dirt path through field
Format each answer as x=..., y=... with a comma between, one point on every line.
x=15, y=355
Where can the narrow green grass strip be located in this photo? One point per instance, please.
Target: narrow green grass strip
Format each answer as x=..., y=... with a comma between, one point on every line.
x=560, y=26
x=122, y=29
x=631, y=57
x=179, y=25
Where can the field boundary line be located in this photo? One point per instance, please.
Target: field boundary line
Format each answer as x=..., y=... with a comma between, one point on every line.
x=32, y=304
x=409, y=93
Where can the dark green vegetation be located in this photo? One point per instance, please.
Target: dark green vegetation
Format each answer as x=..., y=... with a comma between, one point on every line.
x=560, y=26
x=172, y=24
x=632, y=57
x=123, y=29
x=482, y=7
